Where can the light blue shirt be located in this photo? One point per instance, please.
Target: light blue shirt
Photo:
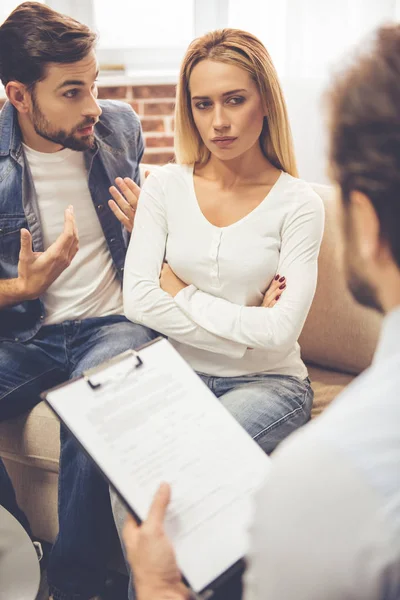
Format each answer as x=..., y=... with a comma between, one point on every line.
x=327, y=522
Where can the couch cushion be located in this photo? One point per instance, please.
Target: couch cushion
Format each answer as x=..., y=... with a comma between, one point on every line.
x=339, y=333
x=327, y=385
x=33, y=439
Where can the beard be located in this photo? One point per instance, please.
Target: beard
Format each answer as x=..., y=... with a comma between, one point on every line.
x=67, y=139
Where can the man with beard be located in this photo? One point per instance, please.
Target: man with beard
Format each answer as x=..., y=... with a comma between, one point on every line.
x=61, y=308
x=327, y=522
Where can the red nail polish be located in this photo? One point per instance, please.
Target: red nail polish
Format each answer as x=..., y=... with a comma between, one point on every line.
x=282, y=287
x=276, y=278
x=282, y=279
x=277, y=298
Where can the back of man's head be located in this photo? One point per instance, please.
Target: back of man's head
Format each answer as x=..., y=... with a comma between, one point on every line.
x=365, y=132
x=35, y=35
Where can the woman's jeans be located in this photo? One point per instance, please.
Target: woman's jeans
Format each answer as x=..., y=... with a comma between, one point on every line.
x=269, y=408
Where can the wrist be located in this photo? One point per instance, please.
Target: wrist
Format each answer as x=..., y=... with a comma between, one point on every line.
x=22, y=290
x=178, y=288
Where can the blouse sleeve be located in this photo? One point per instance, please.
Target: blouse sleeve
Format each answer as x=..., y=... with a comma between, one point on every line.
x=280, y=326
x=144, y=301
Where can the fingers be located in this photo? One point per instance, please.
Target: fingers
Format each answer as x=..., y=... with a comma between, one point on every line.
x=69, y=222
x=125, y=201
x=26, y=244
x=146, y=174
x=67, y=244
x=70, y=232
x=128, y=185
x=127, y=195
x=159, y=506
x=121, y=216
x=274, y=291
x=273, y=302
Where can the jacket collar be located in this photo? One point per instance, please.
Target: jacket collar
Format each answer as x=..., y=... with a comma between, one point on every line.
x=10, y=133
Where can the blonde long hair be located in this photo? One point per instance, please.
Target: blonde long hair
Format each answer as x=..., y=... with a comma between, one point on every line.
x=244, y=50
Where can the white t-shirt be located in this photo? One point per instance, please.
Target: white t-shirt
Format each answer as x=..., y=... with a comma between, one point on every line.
x=89, y=286
x=216, y=319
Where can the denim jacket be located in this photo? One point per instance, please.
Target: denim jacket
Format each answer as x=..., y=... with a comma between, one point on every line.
x=118, y=150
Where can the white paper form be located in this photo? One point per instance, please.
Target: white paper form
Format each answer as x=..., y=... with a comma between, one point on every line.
x=158, y=423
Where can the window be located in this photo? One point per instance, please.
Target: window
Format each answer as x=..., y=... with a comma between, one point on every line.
x=150, y=24
x=151, y=35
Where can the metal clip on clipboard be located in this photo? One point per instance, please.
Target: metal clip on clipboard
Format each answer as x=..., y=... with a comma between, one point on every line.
x=88, y=375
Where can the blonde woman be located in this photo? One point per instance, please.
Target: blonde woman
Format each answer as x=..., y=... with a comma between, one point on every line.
x=214, y=230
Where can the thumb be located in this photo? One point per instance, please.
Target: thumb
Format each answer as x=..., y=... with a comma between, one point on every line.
x=159, y=505
x=26, y=241
x=146, y=174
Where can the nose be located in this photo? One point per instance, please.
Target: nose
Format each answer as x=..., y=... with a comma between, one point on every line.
x=92, y=108
x=220, y=118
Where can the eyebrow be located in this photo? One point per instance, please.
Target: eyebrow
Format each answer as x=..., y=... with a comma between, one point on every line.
x=224, y=94
x=76, y=82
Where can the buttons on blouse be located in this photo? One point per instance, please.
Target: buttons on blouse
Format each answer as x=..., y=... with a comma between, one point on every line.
x=214, y=255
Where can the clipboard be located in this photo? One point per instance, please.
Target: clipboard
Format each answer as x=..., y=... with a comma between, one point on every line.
x=157, y=366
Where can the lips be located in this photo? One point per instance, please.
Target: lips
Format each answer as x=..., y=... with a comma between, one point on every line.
x=223, y=142
x=86, y=130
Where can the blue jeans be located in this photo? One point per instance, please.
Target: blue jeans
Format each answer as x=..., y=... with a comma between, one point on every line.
x=269, y=408
x=78, y=560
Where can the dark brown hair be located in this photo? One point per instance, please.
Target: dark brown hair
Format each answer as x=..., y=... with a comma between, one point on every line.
x=364, y=111
x=34, y=35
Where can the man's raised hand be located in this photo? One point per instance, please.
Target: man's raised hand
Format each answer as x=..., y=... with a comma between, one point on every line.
x=38, y=270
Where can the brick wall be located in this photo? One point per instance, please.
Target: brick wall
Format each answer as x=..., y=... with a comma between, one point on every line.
x=155, y=106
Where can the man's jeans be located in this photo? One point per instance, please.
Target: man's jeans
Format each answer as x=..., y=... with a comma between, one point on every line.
x=79, y=556
x=269, y=408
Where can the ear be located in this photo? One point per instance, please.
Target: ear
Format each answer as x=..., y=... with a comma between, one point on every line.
x=365, y=225
x=19, y=96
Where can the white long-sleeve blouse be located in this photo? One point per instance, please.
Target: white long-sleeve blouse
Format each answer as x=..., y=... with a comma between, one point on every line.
x=216, y=322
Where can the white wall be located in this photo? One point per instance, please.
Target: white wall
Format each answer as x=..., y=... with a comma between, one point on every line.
x=305, y=107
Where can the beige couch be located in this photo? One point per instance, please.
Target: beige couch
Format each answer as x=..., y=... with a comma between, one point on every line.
x=337, y=342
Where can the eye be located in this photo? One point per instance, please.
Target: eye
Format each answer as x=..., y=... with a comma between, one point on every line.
x=234, y=100
x=71, y=93
x=203, y=105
